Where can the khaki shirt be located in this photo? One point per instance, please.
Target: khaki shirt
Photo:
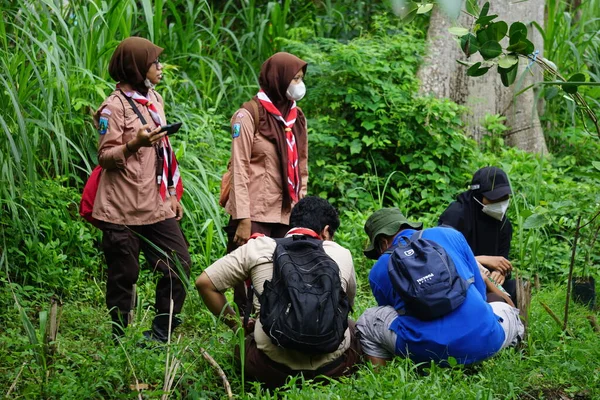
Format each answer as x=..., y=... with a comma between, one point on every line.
x=255, y=260
x=256, y=191
x=128, y=193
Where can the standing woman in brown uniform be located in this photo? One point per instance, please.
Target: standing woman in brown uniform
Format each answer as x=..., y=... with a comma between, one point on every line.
x=137, y=203
x=269, y=157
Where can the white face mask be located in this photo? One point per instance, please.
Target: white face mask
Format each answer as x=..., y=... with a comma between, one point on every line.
x=296, y=91
x=495, y=210
x=148, y=84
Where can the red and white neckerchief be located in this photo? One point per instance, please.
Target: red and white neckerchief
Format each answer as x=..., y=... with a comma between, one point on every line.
x=303, y=231
x=170, y=166
x=293, y=172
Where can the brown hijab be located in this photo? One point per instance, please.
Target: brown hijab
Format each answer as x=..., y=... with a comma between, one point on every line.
x=131, y=61
x=276, y=74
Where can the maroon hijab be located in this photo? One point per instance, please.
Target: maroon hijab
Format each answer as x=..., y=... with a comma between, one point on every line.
x=131, y=61
x=276, y=74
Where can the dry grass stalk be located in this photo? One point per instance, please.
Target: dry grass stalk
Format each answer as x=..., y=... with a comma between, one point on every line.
x=555, y=318
x=172, y=367
x=523, y=300
x=132, y=306
x=14, y=384
x=219, y=370
x=594, y=323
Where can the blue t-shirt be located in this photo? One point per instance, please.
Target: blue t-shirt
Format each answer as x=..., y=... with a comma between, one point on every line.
x=470, y=333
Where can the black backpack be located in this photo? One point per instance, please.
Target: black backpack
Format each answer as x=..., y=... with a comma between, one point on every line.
x=303, y=306
x=425, y=277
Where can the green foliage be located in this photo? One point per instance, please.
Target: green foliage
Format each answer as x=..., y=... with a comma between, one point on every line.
x=51, y=247
x=367, y=121
x=571, y=40
x=373, y=142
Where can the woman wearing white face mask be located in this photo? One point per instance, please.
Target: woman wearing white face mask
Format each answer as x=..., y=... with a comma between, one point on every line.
x=480, y=215
x=268, y=169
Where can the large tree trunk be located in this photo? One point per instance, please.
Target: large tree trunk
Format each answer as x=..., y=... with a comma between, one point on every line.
x=442, y=76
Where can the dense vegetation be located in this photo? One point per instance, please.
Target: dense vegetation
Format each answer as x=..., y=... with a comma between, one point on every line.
x=373, y=142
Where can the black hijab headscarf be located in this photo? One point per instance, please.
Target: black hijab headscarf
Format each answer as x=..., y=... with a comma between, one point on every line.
x=484, y=234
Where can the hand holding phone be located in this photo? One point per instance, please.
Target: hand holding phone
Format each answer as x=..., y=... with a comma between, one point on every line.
x=171, y=128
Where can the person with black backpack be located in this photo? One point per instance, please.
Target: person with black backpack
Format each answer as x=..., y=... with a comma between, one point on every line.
x=431, y=297
x=304, y=287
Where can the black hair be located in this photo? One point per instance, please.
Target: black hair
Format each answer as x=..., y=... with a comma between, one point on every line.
x=315, y=213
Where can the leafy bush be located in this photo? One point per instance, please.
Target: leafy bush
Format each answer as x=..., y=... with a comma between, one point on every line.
x=52, y=248
x=367, y=121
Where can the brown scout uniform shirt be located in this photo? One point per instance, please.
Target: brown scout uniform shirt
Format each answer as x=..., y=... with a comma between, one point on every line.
x=128, y=193
x=256, y=191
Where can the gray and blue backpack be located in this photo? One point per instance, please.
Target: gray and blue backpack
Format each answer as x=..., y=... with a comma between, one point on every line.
x=426, y=278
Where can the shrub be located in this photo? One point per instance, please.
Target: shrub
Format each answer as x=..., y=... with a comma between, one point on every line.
x=367, y=121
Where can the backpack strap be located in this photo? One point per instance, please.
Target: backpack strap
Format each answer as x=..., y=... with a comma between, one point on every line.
x=407, y=240
x=255, y=114
x=136, y=110
x=417, y=235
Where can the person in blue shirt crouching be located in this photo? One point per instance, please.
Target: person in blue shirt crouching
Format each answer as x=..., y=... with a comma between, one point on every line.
x=470, y=333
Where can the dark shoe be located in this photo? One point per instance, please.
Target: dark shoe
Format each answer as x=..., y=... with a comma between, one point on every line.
x=120, y=321
x=160, y=328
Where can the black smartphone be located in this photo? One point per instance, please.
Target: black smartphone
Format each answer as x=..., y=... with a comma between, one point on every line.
x=171, y=128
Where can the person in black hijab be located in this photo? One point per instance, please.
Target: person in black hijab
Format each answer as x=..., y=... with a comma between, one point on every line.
x=480, y=215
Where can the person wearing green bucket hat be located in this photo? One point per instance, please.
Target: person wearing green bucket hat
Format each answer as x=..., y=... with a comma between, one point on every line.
x=385, y=222
x=468, y=331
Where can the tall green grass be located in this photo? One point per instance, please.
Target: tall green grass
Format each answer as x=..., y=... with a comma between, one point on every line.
x=53, y=71
x=572, y=41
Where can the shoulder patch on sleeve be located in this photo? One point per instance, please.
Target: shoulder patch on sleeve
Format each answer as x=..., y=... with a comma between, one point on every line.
x=105, y=111
x=235, y=130
x=103, y=123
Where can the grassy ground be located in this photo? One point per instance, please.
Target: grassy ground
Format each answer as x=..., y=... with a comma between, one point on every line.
x=83, y=363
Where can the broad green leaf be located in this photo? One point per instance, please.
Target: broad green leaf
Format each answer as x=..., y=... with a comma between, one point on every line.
x=517, y=27
x=497, y=30
x=596, y=164
x=524, y=47
x=424, y=8
x=458, y=31
x=479, y=72
x=535, y=221
x=482, y=37
x=484, y=9
x=530, y=47
x=355, y=146
x=475, y=70
x=485, y=20
x=508, y=75
x=474, y=66
x=472, y=7
x=468, y=44
x=490, y=49
x=368, y=125
x=516, y=37
x=507, y=61
x=572, y=84
x=579, y=77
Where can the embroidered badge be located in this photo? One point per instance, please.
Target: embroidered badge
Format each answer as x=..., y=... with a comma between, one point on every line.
x=106, y=111
x=103, y=125
x=235, y=130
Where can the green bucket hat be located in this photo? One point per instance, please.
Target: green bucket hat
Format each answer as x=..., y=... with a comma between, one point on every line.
x=387, y=221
